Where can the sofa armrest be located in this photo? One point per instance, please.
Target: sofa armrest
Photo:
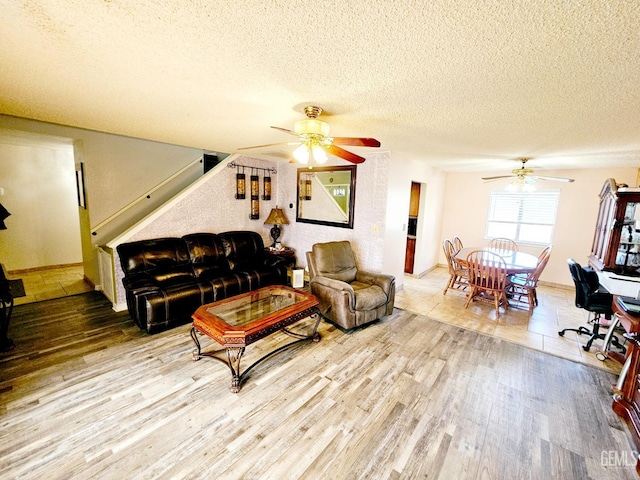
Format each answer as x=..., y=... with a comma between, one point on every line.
x=328, y=288
x=140, y=283
x=382, y=280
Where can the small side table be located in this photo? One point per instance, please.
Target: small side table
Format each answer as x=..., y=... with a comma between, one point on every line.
x=285, y=252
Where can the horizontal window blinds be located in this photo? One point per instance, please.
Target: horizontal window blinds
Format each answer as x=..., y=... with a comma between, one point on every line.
x=525, y=217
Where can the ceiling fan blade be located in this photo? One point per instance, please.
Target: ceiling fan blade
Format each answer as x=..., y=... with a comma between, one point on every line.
x=356, y=141
x=488, y=179
x=267, y=145
x=342, y=153
x=286, y=130
x=555, y=179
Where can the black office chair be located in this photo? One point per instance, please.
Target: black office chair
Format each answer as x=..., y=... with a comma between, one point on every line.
x=594, y=298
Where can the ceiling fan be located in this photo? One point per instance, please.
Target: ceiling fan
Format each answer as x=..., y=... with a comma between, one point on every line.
x=314, y=140
x=525, y=176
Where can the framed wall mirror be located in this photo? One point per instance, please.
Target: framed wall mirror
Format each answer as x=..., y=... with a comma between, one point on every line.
x=326, y=195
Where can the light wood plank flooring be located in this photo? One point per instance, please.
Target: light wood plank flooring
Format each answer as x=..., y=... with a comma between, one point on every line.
x=86, y=394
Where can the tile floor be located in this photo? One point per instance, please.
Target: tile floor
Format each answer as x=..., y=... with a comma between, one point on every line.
x=48, y=283
x=538, y=329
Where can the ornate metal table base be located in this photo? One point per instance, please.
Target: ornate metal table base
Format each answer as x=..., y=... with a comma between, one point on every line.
x=234, y=354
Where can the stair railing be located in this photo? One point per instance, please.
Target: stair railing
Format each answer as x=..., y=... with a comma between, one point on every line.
x=144, y=196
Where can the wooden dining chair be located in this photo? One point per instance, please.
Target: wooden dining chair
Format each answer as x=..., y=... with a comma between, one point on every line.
x=458, y=275
x=520, y=285
x=503, y=245
x=487, y=279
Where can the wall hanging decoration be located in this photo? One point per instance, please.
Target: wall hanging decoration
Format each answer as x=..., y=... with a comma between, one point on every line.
x=255, y=197
x=305, y=187
x=266, y=191
x=254, y=185
x=241, y=185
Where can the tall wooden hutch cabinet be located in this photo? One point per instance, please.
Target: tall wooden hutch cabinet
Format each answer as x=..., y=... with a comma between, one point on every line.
x=616, y=242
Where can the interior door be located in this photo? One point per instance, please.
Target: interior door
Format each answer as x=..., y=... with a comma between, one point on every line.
x=412, y=224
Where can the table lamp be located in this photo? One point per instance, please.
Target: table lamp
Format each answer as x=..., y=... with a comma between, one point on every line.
x=276, y=217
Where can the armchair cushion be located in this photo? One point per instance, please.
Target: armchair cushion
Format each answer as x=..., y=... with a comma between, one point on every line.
x=335, y=260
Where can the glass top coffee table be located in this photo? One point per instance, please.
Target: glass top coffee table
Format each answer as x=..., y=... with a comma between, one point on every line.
x=238, y=321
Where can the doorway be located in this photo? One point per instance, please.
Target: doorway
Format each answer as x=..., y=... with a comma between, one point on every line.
x=38, y=188
x=412, y=228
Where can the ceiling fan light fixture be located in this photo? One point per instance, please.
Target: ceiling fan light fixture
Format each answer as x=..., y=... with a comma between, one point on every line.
x=311, y=126
x=521, y=184
x=301, y=154
x=319, y=155
x=313, y=135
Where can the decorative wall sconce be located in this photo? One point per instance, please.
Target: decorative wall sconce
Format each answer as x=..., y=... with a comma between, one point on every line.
x=306, y=191
x=241, y=185
x=266, y=181
x=255, y=197
x=254, y=186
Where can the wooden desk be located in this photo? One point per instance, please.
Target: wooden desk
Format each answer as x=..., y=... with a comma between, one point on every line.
x=517, y=262
x=626, y=399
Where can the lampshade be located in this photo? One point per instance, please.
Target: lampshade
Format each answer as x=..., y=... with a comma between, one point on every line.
x=319, y=155
x=311, y=126
x=310, y=149
x=521, y=185
x=276, y=217
x=301, y=154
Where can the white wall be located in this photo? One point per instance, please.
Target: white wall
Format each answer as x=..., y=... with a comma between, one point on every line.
x=368, y=234
x=209, y=206
x=467, y=202
x=428, y=241
x=39, y=185
x=117, y=170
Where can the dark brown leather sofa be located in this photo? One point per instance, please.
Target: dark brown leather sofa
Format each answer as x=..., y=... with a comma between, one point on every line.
x=167, y=279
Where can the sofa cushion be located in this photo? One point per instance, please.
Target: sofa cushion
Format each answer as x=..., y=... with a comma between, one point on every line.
x=171, y=306
x=242, y=249
x=228, y=286
x=145, y=255
x=207, y=255
x=176, y=275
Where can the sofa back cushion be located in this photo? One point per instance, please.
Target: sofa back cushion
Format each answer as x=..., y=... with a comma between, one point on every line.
x=335, y=260
x=242, y=249
x=156, y=254
x=174, y=275
x=207, y=255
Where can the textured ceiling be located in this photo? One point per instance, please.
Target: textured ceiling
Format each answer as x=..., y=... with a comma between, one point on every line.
x=463, y=85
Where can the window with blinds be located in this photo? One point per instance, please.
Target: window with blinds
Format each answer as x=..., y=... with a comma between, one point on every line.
x=523, y=217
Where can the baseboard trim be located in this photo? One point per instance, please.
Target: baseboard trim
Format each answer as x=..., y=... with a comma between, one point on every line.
x=43, y=268
x=119, y=307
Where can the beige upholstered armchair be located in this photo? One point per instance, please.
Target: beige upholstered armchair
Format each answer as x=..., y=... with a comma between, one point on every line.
x=347, y=296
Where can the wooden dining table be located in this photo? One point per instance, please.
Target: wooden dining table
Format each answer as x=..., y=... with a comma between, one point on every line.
x=517, y=262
